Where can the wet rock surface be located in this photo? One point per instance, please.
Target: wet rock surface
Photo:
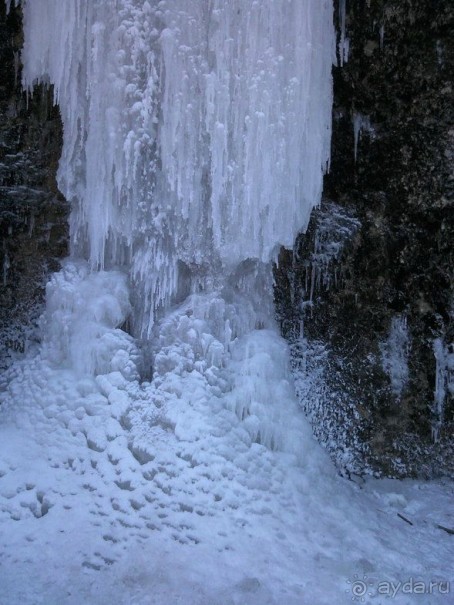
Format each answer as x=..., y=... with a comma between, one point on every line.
x=382, y=310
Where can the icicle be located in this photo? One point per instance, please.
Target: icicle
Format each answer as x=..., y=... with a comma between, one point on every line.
x=193, y=131
x=16, y=67
x=6, y=268
x=440, y=53
x=444, y=383
x=344, y=42
x=9, y=3
x=395, y=352
x=360, y=123
x=382, y=36
x=31, y=225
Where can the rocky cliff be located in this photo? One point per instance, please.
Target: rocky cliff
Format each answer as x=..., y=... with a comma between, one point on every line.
x=33, y=214
x=366, y=298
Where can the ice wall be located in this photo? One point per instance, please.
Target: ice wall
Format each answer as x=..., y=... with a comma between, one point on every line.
x=194, y=130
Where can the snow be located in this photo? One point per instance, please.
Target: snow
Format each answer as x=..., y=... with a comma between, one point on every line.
x=203, y=486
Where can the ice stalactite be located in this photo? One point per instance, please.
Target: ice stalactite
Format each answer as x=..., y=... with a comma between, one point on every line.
x=395, y=352
x=344, y=42
x=6, y=266
x=444, y=383
x=382, y=36
x=194, y=132
x=334, y=228
x=360, y=123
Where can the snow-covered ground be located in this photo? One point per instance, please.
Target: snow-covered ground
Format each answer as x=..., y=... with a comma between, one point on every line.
x=204, y=486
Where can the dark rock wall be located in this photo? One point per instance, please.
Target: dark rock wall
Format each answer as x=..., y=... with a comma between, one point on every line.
x=386, y=313
x=33, y=214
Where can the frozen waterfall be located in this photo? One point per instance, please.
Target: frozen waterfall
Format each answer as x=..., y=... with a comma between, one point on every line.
x=182, y=469
x=196, y=132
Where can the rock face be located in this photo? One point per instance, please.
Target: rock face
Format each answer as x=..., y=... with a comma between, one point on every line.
x=378, y=309
x=33, y=214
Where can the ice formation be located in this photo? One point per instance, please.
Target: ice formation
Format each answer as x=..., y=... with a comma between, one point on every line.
x=179, y=490
x=360, y=123
x=83, y=311
x=195, y=139
x=382, y=36
x=334, y=228
x=395, y=353
x=194, y=132
x=344, y=41
x=444, y=383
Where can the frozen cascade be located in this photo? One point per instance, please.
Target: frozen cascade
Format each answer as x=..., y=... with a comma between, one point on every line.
x=195, y=139
x=193, y=131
